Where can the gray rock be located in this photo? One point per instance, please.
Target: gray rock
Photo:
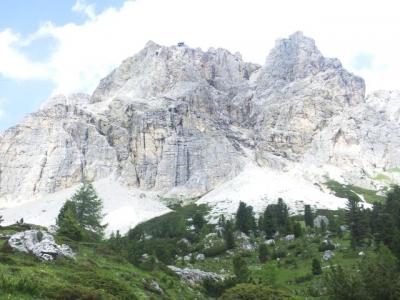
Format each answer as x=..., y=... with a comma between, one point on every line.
x=289, y=237
x=200, y=257
x=40, y=244
x=328, y=254
x=318, y=221
x=194, y=276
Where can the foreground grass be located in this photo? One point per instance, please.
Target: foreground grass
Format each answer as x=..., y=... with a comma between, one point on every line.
x=97, y=273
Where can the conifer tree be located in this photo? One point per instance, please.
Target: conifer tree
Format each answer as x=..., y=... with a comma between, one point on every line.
x=355, y=220
x=241, y=269
x=67, y=222
x=270, y=225
x=316, y=267
x=245, y=220
x=229, y=237
x=263, y=253
x=308, y=216
x=89, y=209
x=297, y=230
x=198, y=221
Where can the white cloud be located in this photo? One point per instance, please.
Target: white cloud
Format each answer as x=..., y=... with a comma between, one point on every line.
x=87, y=52
x=87, y=9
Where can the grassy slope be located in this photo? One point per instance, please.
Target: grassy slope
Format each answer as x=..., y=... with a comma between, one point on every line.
x=343, y=190
x=96, y=274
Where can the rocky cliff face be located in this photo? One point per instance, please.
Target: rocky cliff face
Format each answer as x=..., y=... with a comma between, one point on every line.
x=181, y=122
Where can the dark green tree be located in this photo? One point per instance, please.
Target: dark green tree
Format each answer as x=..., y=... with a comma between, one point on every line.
x=270, y=225
x=297, y=230
x=228, y=234
x=1, y=219
x=89, y=209
x=316, y=267
x=263, y=253
x=245, y=220
x=308, y=216
x=241, y=269
x=356, y=221
x=67, y=222
x=198, y=221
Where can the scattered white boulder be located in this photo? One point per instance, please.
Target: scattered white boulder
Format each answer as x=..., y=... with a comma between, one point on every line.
x=289, y=238
x=270, y=242
x=328, y=254
x=194, y=276
x=318, y=220
x=200, y=257
x=41, y=244
x=362, y=253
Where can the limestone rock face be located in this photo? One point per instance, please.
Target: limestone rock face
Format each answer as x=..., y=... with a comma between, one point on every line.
x=181, y=121
x=40, y=244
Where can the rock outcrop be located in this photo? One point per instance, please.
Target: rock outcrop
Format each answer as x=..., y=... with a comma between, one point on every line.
x=41, y=244
x=194, y=276
x=181, y=122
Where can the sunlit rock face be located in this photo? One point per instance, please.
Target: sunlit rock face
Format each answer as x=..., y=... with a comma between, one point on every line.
x=182, y=121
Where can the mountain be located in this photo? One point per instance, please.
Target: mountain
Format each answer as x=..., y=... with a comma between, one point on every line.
x=176, y=122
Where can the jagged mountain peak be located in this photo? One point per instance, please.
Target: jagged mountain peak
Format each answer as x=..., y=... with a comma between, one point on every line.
x=157, y=69
x=181, y=122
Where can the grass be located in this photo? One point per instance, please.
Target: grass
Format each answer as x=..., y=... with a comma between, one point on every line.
x=97, y=273
x=344, y=190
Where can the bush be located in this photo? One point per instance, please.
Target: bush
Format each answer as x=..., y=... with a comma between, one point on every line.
x=248, y=291
x=326, y=246
x=215, y=250
x=215, y=288
x=279, y=254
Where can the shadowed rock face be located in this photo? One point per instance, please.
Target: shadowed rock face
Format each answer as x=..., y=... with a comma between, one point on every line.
x=181, y=121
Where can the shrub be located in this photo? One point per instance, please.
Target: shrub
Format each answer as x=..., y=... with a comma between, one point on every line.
x=279, y=254
x=215, y=250
x=248, y=291
x=326, y=246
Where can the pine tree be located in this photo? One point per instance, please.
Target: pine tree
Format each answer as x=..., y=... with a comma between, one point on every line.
x=316, y=267
x=229, y=237
x=198, y=221
x=308, y=216
x=89, y=209
x=263, y=253
x=270, y=225
x=297, y=230
x=67, y=222
x=245, y=220
x=241, y=269
x=356, y=221
x=1, y=219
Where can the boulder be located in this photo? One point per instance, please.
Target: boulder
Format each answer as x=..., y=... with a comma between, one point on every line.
x=270, y=242
x=194, y=276
x=318, y=221
x=289, y=237
x=41, y=244
x=200, y=257
x=328, y=254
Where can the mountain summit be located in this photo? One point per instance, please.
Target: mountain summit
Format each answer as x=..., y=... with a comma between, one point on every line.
x=177, y=122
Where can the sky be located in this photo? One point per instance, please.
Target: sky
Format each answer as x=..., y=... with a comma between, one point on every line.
x=49, y=47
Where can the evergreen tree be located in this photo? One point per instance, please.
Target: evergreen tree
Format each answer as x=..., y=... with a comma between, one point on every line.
x=297, y=230
x=283, y=220
x=229, y=235
x=67, y=222
x=221, y=221
x=89, y=209
x=263, y=253
x=308, y=216
x=316, y=267
x=241, y=269
x=1, y=219
x=245, y=220
x=270, y=225
x=198, y=221
x=356, y=221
